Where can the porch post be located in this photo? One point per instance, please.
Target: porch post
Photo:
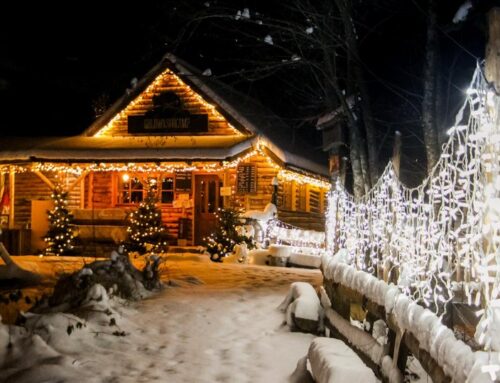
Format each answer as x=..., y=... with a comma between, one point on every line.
x=12, y=196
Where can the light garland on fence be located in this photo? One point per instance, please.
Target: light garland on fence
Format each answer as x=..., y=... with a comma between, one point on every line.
x=443, y=231
x=283, y=233
x=153, y=89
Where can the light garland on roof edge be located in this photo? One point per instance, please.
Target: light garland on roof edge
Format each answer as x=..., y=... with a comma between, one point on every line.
x=77, y=169
x=153, y=89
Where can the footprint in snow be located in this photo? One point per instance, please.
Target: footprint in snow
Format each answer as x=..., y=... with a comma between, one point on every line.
x=193, y=280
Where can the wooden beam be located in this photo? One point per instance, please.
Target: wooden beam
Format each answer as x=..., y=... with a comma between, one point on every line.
x=294, y=196
x=82, y=193
x=308, y=198
x=12, y=196
x=75, y=182
x=42, y=176
x=114, y=189
x=90, y=202
x=322, y=200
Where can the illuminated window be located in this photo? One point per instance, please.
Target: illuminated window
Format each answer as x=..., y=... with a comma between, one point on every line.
x=132, y=190
x=167, y=189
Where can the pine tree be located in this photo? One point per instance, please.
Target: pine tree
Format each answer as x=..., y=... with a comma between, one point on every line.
x=60, y=238
x=220, y=244
x=146, y=233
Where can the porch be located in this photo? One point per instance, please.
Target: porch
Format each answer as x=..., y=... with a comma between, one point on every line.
x=100, y=196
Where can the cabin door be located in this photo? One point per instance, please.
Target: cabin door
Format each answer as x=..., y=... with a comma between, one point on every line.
x=206, y=202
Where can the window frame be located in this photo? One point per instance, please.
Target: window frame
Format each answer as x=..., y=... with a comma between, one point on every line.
x=119, y=188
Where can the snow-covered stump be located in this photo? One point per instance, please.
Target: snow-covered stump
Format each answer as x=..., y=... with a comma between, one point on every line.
x=303, y=308
x=117, y=274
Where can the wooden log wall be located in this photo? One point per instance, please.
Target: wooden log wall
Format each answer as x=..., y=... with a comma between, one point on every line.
x=302, y=219
x=216, y=125
x=170, y=217
x=300, y=205
x=265, y=175
x=30, y=187
x=100, y=194
x=98, y=190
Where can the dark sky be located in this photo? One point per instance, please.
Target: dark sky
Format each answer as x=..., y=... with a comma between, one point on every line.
x=56, y=58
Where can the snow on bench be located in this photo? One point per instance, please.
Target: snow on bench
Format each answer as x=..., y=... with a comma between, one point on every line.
x=302, y=307
x=332, y=361
x=308, y=260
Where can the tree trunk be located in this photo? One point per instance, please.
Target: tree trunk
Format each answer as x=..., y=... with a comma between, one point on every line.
x=492, y=65
x=429, y=124
x=356, y=163
x=371, y=159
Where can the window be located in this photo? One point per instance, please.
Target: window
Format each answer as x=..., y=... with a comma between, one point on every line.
x=167, y=189
x=132, y=188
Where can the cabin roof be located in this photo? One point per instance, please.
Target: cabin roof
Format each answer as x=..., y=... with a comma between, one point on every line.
x=142, y=149
x=248, y=116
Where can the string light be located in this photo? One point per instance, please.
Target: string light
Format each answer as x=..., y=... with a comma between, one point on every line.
x=443, y=234
x=154, y=88
x=287, y=175
x=77, y=169
x=279, y=232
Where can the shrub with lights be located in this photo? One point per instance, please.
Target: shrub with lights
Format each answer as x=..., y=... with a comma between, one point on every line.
x=220, y=243
x=61, y=236
x=146, y=233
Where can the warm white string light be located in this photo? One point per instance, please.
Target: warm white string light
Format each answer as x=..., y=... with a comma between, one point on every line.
x=155, y=88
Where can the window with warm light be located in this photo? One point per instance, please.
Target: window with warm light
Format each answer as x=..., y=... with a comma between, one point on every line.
x=131, y=189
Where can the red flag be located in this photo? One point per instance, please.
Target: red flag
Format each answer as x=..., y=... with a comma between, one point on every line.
x=5, y=201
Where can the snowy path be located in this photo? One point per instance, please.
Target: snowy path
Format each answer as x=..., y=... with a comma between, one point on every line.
x=219, y=324
x=227, y=330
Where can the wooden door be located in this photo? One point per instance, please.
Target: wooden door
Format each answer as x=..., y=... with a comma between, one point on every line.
x=207, y=201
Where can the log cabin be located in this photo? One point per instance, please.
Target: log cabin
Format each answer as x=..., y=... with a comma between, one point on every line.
x=207, y=146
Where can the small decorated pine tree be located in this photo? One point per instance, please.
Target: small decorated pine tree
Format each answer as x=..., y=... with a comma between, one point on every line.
x=60, y=238
x=146, y=232
x=228, y=233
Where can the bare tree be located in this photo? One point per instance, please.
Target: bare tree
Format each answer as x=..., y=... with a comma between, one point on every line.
x=317, y=42
x=429, y=103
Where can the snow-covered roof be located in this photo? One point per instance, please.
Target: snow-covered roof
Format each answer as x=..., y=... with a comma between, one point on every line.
x=129, y=149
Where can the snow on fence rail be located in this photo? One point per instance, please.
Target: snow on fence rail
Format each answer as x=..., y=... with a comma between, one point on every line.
x=443, y=232
x=443, y=356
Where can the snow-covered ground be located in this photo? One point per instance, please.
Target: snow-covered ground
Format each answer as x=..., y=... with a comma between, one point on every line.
x=215, y=323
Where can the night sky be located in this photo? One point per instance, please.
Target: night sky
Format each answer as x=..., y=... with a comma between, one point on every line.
x=55, y=60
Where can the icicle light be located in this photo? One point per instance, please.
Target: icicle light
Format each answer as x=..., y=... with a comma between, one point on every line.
x=444, y=234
